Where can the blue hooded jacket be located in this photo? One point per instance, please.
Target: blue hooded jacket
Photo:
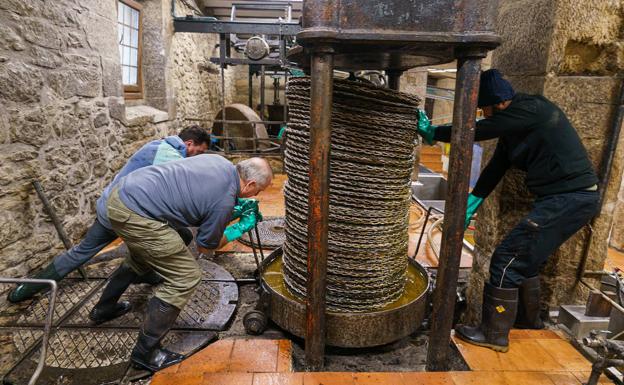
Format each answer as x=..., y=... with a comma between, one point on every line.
x=155, y=152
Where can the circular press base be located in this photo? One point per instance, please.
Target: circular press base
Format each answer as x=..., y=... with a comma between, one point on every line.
x=349, y=330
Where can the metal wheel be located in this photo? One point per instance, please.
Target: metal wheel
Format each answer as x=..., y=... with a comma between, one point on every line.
x=255, y=322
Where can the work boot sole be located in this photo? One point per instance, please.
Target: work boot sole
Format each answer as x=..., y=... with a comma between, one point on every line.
x=496, y=348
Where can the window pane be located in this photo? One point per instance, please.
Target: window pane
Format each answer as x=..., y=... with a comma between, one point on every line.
x=126, y=35
x=120, y=11
x=134, y=41
x=120, y=54
x=133, y=75
x=126, y=57
x=135, y=18
x=126, y=75
x=119, y=33
x=127, y=15
x=133, y=56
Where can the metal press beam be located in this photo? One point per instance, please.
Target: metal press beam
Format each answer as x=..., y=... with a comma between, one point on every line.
x=322, y=67
x=462, y=138
x=211, y=25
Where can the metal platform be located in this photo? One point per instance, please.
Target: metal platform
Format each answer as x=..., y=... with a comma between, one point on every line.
x=82, y=353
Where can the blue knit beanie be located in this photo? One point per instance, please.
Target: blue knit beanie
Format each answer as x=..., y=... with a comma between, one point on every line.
x=494, y=89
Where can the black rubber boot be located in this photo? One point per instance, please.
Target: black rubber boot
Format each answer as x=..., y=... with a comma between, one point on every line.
x=109, y=307
x=151, y=278
x=529, y=305
x=498, y=315
x=148, y=353
x=28, y=290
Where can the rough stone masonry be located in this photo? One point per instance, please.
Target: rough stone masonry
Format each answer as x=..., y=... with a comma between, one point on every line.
x=63, y=118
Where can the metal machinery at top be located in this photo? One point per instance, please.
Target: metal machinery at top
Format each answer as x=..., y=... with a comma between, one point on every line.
x=391, y=35
x=262, y=45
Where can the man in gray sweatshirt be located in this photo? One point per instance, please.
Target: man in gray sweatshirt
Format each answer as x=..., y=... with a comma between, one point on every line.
x=146, y=208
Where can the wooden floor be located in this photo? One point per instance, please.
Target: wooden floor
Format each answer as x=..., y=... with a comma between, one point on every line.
x=534, y=358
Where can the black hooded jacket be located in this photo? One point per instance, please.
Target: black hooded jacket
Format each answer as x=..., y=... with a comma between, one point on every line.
x=535, y=136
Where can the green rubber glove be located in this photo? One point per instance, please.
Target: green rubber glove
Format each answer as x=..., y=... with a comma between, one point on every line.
x=425, y=128
x=473, y=204
x=243, y=205
x=247, y=222
x=280, y=135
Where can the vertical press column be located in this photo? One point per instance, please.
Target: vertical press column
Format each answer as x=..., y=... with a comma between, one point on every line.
x=322, y=66
x=462, y=138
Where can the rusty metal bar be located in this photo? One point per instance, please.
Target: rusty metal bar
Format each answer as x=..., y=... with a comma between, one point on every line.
x=48, y=322
x=56, y=221
x=262, y=96
x=394, y=79
x=322, y=65
x=462, y=138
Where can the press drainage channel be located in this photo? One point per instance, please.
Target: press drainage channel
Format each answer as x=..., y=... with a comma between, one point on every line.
x=81, y=353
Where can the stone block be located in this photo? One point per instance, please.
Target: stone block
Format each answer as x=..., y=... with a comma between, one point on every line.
x=617, y=233
x=526, y=27
x=76, y=82
x=117, y=108
x=111, y=77
x=17, y=168
x=40, y=32
x=9, y=38
x=31, y=127
x=15, y=223
x=101, y=119
x=20, y=82
x=45, y=58
x=20, y=7
x=573, y=317
x=101, y=33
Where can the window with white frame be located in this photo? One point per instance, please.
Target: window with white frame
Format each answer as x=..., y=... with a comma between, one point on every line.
x=129, y=38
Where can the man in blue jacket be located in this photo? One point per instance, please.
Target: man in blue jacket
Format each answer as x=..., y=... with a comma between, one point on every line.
x=190, y=141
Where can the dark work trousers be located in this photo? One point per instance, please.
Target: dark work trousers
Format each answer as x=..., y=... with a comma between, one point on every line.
x=525, y=250
x=98, y=237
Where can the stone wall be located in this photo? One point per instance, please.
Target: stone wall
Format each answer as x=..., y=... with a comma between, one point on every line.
x=617, y=231
x=573, y=54
x=63, y=119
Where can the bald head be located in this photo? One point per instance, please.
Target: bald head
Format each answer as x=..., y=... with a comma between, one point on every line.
x=255, y=175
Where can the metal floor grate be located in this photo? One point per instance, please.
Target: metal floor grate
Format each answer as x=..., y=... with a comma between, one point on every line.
x=272, y=233
x=81, y=353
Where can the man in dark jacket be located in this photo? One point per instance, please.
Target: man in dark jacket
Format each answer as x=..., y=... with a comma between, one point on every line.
x=535, y=136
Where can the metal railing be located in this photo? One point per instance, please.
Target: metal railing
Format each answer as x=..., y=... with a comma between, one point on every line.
x=48, y=322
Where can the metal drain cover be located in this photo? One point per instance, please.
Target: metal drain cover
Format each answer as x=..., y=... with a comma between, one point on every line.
x=272, y=233
x=83, y=354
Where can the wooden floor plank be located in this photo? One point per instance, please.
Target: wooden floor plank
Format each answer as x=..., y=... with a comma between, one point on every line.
x=478, y=378
x=214, y=358
x=254, y=356
x=427, y=378
x=328, y=378
x=565, y=354
x=529, y=355
x=278, y=379
x=378, y=379
x=583, y=376
x=563, y=378
x=526, y=378
x=226, y=379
